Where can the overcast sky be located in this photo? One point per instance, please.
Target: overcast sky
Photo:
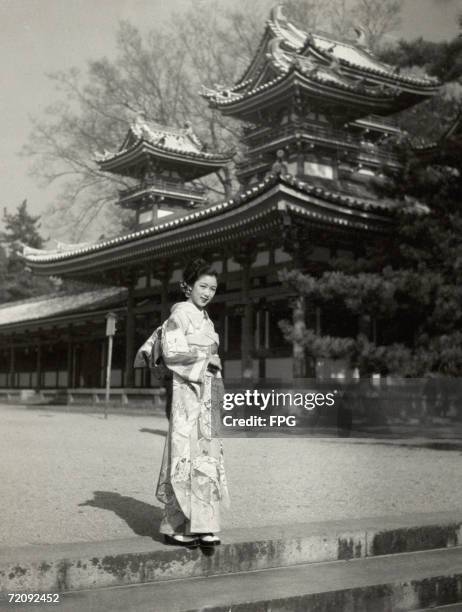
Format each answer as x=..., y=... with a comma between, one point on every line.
x=42, y=36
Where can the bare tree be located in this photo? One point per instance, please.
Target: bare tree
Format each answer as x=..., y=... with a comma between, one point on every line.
x=340, y=18
x=377, y=18
x=159, y=77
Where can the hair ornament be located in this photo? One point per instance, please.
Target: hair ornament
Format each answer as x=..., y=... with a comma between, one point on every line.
x=185, y=288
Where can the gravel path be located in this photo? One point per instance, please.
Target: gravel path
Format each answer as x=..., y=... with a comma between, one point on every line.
x=69, y=477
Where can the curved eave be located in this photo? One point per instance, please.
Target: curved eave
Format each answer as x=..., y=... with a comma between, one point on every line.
x=410, y=86
x=142, y=149
x=253, y=212
x=30, y=313
x=379, y=75
x=282, y=87
x=253, y=69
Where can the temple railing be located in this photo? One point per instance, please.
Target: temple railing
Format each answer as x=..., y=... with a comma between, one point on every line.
x=316, y=132
x=164, y=186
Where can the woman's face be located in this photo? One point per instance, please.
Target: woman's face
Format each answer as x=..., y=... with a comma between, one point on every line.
x=203, y=290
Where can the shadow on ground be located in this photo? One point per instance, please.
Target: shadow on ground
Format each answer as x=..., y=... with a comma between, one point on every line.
x=143, y=519
x=157, y=432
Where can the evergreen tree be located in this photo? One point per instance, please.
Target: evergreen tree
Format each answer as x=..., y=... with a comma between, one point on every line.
x=21, y=228
x=410, y=285
x=4, y=293
x=433, y=117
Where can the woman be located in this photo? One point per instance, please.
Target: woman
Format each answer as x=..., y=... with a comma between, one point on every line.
x=192, y=482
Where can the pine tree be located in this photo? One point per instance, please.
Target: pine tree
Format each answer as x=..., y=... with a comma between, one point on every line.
x=4, y=293
x=411, y=286
x=21, y=228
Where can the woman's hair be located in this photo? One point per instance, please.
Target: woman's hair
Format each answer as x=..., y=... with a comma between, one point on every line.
x=193, y=271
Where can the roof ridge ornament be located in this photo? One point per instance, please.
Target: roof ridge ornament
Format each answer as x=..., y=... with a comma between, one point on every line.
x=101, y=156
x=292, y=35
x=361, y=37
x=69, y=246
x=191, y=134
x=27, y=250
x=276, y=51
x=334, y=64
x=277, y=13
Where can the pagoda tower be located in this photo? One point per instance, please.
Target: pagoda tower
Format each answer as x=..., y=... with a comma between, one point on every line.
x=317, y=108
x=163, y=162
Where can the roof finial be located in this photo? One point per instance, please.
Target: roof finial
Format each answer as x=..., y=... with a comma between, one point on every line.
x=275, y=49
x=361, y=36
x=277, y=13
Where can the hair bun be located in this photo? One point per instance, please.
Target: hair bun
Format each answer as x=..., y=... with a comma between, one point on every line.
x=195, y=268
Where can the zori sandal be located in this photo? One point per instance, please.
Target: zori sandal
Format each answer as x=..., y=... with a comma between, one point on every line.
x=178, y=539
x=209, y=540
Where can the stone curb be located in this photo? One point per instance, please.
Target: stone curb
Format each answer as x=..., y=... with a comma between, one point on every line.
x=70, y=567
x=416, y=581
x=400, y=596
x=115, y=409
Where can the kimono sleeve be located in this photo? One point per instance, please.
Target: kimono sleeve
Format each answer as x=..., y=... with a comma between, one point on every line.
x=188, y=362
x=144, y=354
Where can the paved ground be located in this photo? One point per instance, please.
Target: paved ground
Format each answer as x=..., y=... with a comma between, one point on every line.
x=77, y=477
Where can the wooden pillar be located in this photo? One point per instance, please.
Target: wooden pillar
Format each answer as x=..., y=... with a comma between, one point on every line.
x=38, y=366
x=69, y=364
x=296, y=242
x=164, y=305
x=129, y=337
x=364, y=325
x=12, y=366
x=247, y=332
x=163, y=272
x=299, y=325
x=318, y=320
x=155, y=211
x=70, y=355
x=260, y=336
x=75, y=382
x=103, y=363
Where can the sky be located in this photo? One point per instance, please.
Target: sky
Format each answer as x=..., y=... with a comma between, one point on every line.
x=43, y=36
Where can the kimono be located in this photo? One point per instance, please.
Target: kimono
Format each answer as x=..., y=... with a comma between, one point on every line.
x=192, y=481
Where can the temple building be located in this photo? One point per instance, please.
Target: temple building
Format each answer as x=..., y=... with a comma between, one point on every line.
x=163, y=163
x=317, y=126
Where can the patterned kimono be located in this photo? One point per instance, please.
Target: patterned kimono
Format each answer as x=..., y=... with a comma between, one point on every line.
x=192, y=481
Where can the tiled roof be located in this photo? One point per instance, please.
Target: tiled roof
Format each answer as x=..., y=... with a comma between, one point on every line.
x=327, y=195
x=350, y=55
x=174, y=140
x=53, y=305
x=321, y=59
